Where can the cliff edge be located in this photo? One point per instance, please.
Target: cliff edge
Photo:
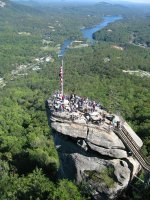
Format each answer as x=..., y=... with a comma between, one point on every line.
x=90, y=152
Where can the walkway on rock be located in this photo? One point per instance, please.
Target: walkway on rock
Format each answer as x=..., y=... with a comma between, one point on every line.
x=131, y=144
x=121, y=129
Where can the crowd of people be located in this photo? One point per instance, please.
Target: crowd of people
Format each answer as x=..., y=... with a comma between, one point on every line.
x=73, y=103
x=91, y=110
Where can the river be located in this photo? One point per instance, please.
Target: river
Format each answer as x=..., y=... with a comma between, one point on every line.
x=88, y=32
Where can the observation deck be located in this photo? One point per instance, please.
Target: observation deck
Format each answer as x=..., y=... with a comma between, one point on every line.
x=82, y=118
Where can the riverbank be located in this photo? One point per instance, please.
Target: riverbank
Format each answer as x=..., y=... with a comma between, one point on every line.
x=88, y=32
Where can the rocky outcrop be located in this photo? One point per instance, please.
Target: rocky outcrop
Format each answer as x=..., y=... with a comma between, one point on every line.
x=104, y=177
x=93, y=154
x=97, y=138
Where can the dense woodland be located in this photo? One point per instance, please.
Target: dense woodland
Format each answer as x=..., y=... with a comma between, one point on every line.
x=28, y=158
x=127, y=31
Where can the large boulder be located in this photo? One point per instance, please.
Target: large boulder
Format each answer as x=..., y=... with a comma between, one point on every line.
x=70, y=129
x=98, y=139
x=103, y=177
x=114, y=152
x=91, y=153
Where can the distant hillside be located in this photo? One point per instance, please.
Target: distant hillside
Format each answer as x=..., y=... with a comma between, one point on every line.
x=15, y=7
x=111, y=9
x=12, y=13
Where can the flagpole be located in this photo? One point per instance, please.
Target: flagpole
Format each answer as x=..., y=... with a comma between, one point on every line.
x=62, y=84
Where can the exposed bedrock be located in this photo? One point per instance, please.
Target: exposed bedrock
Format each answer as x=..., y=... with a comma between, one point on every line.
x=105, y=177
x=94, y=156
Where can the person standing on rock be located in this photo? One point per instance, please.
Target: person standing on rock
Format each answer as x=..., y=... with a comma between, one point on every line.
x=94, y=106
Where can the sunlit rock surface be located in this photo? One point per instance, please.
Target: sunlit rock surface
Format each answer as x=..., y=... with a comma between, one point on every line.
x=93, y=154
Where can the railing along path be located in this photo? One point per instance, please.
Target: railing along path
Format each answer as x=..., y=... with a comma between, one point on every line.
x=131, y=144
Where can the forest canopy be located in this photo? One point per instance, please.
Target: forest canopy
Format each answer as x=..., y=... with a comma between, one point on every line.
x=30, y=34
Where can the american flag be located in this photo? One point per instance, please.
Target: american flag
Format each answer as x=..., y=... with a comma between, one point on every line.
x=61, y=75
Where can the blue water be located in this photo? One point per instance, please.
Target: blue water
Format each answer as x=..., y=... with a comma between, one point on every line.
x=64, y=47
x=88, y=32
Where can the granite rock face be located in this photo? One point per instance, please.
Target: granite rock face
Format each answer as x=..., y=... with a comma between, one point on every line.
x=93, y=154
x=101, y=138
x=80, y=163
